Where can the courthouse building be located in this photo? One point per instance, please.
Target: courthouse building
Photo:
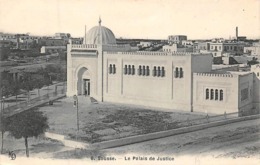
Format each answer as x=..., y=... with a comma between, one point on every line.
x=174, y=80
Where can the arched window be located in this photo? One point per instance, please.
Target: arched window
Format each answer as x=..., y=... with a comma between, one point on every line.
x=125, y=69
x=177, y=72
x=207, y=94
x=221, y=95
x=154, y=71
x=181, y=73
x=147, y=71
x=133, y=69
x=162, y=72
x=211, y=94
x=216, y=94
x=129, y=69
x=140, y=70
x=159, y=71
x=110, y=68
x=143, y=71
x=114, y=69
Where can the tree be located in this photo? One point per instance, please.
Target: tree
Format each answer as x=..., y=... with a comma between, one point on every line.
x=4, y=53
x=15, y=89
x=31, y=123
x=39, y=82
x=27, y=83
x=3, y=128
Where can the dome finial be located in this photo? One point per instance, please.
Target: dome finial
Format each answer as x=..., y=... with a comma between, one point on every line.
x=99, y=21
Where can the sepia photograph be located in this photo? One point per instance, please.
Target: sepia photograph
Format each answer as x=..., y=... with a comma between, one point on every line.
x=129, y=82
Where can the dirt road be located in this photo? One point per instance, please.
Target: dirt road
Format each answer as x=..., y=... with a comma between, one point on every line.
x=237, y=140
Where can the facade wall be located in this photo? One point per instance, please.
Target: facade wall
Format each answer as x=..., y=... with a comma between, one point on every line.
x=81, y=65
x=166, y=91
x=245, y=93
x=208, y=81
x=256, y=92
x=129, y=77
x=160, y=91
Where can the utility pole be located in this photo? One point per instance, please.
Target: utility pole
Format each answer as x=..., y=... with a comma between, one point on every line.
x=76, y=104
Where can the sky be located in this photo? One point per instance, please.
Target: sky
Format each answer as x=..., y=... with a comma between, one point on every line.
x=148, y=19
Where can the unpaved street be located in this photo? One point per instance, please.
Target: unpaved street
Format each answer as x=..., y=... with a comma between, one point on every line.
x=237, y=140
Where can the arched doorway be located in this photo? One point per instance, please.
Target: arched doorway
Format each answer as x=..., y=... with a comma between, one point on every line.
x=83, y=85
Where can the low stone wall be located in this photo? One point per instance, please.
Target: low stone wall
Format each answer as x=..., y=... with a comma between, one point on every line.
x=162, y=134
x=145, y=137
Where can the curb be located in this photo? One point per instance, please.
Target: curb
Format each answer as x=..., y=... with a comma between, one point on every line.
x=145, y=137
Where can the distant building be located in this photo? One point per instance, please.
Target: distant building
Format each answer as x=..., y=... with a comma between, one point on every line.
x=253, y=50
x=51, y=42
x=219, y=48
x=170, y=48
x=177, y=39
x=187, y=43
x=5, y=43
x=203, y=46
x=62, y=36
x=145, y=44
x=241, y=38
x=53, y=49
x=77, y=40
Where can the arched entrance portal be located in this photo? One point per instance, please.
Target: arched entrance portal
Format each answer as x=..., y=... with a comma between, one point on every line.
x=83, y=85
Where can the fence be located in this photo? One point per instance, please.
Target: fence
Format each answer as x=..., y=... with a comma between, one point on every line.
x=49, y=97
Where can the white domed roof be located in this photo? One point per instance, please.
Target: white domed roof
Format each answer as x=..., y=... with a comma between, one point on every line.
x=108, y=36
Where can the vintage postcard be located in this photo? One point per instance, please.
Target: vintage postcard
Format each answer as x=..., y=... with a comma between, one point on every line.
x=129, y=82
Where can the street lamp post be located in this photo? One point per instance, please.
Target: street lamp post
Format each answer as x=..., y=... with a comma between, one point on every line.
x=76, y=104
